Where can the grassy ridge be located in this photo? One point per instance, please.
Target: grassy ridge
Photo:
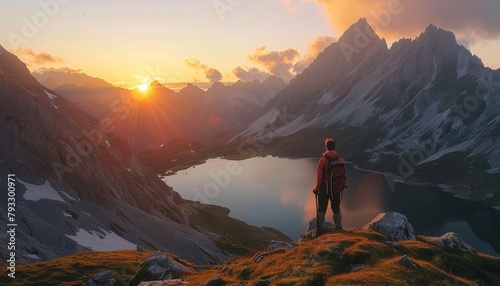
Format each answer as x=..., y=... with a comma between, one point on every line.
x=329, y=260
x=332, y=259
x=77, y=269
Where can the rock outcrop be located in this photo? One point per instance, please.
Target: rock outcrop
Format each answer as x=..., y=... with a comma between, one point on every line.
x=273, y=245
x=451, y=240
x=405, y=261
x=311, y=229
x=393, y=225
x=278, y=244
x=158, y=266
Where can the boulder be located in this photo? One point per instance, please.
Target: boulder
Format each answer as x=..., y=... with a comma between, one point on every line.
x=312, y=225
x=102, y=279
x=259, y=256
x=278, y=244
x=451, y=240
x=393, y=225
x=311, y=229
x=405, y=261
x=274, y=244
x=158, y=266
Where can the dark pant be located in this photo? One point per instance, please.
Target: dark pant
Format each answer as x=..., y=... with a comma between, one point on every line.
x=323, y=198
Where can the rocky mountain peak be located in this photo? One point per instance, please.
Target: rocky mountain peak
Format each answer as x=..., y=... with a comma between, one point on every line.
x=17, y=70
x=358, y=33
x=274, y=80
x=158, y=87
x=437, y=36
x=191, y=89
x=216, y=87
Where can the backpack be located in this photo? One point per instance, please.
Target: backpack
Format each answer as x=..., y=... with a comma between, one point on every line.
x=335, y=176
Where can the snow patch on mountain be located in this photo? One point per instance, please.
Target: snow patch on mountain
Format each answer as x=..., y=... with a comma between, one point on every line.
x=40, y=192
x=327, y=97
x=52, y=98
x=101, y=240
x=462, y=147
x=292, y=127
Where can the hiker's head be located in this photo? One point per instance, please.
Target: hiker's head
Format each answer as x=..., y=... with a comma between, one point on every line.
x=330, y=144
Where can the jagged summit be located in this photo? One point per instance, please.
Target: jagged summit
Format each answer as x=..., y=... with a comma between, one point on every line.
x=437, y=37
x=273, y=80
x=359, y=33
x=191, y=89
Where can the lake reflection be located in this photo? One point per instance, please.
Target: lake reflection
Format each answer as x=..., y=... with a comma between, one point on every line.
x=277, y=192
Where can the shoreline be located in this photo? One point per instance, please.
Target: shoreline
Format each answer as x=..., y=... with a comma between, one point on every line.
x=390, y=177
x=443, y=187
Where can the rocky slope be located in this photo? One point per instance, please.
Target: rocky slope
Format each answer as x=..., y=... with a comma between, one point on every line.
x=80, y=187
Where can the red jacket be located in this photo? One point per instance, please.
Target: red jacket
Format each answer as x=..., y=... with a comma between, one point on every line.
x=323, y=164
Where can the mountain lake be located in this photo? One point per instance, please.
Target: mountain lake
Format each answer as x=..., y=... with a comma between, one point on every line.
x=277, y=192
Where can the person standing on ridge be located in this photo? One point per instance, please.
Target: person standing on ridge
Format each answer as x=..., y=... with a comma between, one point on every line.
x=330, y=183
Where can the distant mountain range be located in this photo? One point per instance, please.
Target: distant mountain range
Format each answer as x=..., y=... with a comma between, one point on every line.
x=80, y=187
x=165, y=115
x=426, y=108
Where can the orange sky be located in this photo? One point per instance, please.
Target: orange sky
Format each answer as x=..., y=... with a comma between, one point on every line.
x=131, y=42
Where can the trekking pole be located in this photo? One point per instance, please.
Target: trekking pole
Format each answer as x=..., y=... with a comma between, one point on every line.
x=317, y=211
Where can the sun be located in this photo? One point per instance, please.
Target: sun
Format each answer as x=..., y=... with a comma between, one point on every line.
x=143, y=87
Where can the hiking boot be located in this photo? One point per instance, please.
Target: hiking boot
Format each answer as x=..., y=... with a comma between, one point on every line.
x=318, y=232
x=337, y=218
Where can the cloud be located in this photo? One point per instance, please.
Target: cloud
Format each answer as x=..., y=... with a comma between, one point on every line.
x=61, y=70
x=314, y=48
x=30, y=57
x=278, y=63
x=285, y=64
x=210, y=73
x=250, y=74
x=469, y=20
